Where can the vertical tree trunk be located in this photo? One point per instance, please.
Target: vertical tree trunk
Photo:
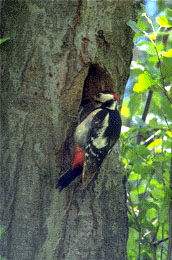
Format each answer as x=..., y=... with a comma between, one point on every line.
x=52, y=48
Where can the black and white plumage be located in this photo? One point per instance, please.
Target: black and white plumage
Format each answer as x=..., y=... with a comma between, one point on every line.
x=94, y=137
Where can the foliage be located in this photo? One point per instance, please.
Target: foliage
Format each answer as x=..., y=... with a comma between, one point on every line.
x=146, y=146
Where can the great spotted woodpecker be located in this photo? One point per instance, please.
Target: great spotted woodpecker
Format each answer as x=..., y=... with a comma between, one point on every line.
x=94, y=137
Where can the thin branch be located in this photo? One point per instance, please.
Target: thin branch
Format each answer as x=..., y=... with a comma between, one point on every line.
x=166, y=121
x=162, y=249
x=151, y=138
x=157, y=242
x=145, y=112
x=169, y=252
x=147, y=105
x=154, y=243
x=134, y=214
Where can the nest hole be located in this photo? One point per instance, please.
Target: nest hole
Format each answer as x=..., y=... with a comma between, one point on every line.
x=98, y=79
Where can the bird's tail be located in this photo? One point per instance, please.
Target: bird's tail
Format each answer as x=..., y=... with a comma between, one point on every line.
x=68, y=177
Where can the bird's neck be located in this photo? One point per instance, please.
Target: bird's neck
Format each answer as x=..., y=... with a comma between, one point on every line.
x=111, y=104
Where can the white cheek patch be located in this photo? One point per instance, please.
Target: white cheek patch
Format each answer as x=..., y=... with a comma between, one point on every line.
x=106, y=97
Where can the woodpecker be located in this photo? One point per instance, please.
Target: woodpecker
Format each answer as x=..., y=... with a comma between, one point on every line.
x=94, y=137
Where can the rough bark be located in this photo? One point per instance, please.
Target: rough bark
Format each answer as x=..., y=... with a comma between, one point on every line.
x=44, y=66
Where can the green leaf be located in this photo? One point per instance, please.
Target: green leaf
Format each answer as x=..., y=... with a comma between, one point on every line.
x=4, y=40
x=134, y=176
x=148, y=47
x=139, y=190
x=165, y=104
x=134, y=26
x=153, y=123
x=135, y=103
x=146, y=204
x=131, y=155
x=151, y=214
x=142, y=24
x=157, y=194
x=153, y=59
x=167, y=67
x=161, y=158
x=141, y=150
x=163, y=216
x=144, y=82
x=156, y=184
x=163, y=21
x=132, y=242
x=169, y=13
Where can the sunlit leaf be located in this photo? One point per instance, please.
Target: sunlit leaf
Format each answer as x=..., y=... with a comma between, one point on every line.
x=157, y=150
x=169, y=133
x=163, y=21
x=168, y=53
x=144, y=82
x=155, y=183
x=155, y=143
x=153, y=59
x=152, y=36
x=134, y=176
x=139, y=190
x=125, y=111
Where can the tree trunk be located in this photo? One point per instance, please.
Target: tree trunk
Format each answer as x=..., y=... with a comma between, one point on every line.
x=55, y=47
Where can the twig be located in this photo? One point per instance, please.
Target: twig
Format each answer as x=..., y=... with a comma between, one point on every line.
x=147, y=105
x=145, y=112
x=157, y=242
x=169, y=251
x=166, y=121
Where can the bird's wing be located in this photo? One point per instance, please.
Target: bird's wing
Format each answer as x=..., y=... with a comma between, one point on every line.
x=97, y=146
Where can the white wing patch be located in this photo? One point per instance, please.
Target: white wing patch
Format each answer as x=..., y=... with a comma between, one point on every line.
x=81, y=132
x=101, y=141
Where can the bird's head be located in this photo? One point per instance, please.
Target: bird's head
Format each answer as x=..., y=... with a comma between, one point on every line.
x=106, y=100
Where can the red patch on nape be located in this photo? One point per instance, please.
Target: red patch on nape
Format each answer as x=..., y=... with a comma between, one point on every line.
x=79, y=157
x=116, y=96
